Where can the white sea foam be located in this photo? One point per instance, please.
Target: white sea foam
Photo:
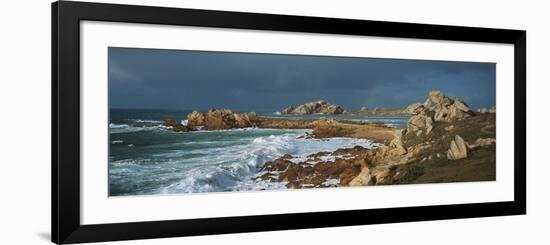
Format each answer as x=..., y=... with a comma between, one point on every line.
x=145, y=121
x=330, y=182
x=199, y=130
x=236, y=167
x=184, y=122
x=113, y=125
x=125, y=128
x=114, y=142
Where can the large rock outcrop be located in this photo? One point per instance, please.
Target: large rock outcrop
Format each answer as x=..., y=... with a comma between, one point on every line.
x=448, y=110
x=196, y=119
x=226, y=119
x=315, y=107
x=216, y=119
x=422, y=119
x=437, y=108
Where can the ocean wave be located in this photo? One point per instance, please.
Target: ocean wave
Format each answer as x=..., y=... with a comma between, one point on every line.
x=236, y=168
x=145, y=121
x=125, y=128
x=113, y=125
x=114, y=142
x=249, y=129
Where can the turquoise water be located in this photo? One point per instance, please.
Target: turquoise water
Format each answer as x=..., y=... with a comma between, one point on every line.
x=146, y=158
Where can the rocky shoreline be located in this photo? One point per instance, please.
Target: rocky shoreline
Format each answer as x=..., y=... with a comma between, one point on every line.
x=322, y=128
x=444, y=141
x=326, y=108
x=314, y=107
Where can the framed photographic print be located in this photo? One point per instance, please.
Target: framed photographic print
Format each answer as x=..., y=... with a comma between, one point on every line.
x=175, y=122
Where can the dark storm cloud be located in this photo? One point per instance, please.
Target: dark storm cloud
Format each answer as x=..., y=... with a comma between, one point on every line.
x=170, y=79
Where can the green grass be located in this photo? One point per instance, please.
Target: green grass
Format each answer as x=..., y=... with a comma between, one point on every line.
x=480, y=165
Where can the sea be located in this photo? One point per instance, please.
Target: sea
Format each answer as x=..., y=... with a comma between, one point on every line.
x=146, y=158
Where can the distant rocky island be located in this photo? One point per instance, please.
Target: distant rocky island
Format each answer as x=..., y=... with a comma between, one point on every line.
x=315, y=107
x=324, y=107
x=444, y=141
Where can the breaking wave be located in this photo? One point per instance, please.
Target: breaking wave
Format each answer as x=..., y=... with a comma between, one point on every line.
x=125, y=128
x=231, y=166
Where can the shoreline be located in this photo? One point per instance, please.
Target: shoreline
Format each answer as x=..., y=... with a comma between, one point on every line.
x=406, y=159
x=444, y=141
x=327, y=128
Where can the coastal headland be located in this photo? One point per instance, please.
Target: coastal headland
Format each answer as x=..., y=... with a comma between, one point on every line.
x=444, y=141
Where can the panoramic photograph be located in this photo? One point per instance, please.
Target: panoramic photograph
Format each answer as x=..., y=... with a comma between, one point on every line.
x=203, y=121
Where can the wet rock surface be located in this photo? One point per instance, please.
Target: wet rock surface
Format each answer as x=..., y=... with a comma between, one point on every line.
x=176, y=126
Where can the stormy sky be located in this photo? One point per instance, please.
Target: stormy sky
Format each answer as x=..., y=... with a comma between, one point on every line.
x=188, y=80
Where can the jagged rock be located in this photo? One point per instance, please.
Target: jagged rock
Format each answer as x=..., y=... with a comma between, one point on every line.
x=447, y=110
x=419, y=149
x=397, y=143
x=416, y=108
x=344, y=166
x=176, y=126
x=458, y=149
x=315, y=107
x=429, y=124
x=287, y=110
x=427, y=103
x=383, y=177
x=364, y=178
x=195, y=119
x=439, y=98
x=449, y=128
x=217, y=119
x=251, y=116
x=424, y=115
x=461, y=105
x=422, y=122
x=169, y=122
x=482, y=143
x=241, y=121
x=456, y=112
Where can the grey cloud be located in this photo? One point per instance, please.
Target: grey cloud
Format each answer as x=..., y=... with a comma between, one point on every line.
x=172, y=79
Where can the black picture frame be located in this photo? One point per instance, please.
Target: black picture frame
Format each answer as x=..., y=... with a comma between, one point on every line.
x=66, y=17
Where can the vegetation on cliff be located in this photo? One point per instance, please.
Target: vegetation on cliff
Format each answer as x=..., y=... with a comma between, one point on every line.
x=444, y=141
